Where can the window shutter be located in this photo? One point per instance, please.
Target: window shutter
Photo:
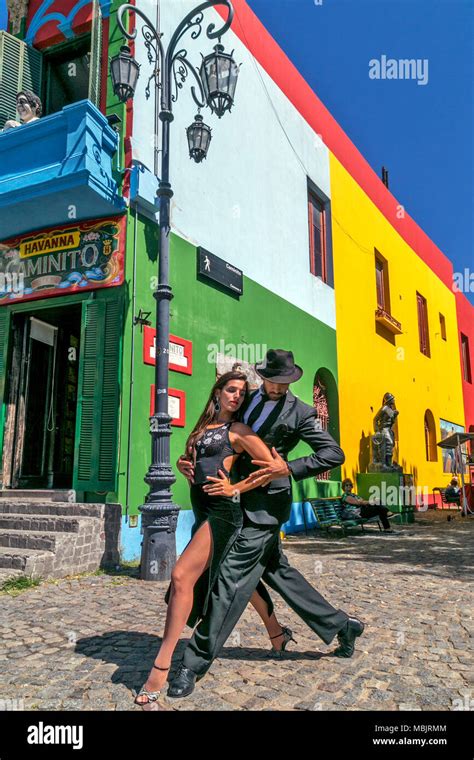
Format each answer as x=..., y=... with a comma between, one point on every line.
x=20, y=69
x=95, y=465
x=4, y=336
x=95, y=57
x=421, y=323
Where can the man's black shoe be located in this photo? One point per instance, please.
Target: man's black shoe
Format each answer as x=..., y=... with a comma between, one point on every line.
x=347, y=637
x=183, y=684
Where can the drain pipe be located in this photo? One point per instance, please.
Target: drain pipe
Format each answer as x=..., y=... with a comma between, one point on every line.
x=132, y=364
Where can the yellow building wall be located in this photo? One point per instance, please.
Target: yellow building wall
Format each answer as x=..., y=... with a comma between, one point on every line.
x=369, y=365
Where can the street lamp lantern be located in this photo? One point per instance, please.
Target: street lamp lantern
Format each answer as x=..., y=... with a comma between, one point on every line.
x=199, y=137
x=219, y=73
x=213, y=85
x=124, y=71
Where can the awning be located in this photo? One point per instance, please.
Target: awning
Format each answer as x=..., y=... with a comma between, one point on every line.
x=455, y=439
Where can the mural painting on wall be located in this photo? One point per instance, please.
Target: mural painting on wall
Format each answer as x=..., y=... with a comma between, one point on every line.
x=451, y=459
x=320, y=403
x=68, y=259
x=49, y=22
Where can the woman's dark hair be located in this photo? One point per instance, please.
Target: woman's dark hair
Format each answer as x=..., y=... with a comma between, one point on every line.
x=33, y=100
x=347, y=480
x=208, y=414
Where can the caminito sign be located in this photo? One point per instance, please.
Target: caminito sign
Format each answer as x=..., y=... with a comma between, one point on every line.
x=67, y=259
x=213, y=268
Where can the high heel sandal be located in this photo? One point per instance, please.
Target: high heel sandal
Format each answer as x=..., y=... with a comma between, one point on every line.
x=287, y=634
x=151, y=696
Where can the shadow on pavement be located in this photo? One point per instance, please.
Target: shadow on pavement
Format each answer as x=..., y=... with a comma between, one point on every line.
x=134, y=654
x=435, y=547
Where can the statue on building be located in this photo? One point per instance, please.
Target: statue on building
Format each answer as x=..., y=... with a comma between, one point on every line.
x=29, y=109
x=17, y=12
x=383, y=441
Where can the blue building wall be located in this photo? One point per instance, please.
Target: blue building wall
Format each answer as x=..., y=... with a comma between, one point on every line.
x=131, y=538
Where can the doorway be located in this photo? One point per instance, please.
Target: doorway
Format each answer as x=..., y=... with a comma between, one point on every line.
x=42, y=398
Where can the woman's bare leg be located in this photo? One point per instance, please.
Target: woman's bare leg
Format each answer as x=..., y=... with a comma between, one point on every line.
x=190, y=566
x=270, y=621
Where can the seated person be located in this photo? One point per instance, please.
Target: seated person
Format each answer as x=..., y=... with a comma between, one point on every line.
x=453, y=492
x=356, y=506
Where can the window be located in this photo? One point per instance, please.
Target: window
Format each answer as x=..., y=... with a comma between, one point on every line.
x=60, y=75
x=442, y=324
x=72, y=70
x=430, y=437
x=67, y=73
x=20, y=69
x=466, y=359
x=423, y=325
x=317, y=237
x=381, y=281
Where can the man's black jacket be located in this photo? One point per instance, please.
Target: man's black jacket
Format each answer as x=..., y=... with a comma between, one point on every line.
x=295, y=422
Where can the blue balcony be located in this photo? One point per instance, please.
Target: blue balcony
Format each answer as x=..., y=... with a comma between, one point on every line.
x=57, y=170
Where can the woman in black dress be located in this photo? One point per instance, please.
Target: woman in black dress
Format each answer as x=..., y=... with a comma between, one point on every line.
x=214, y=444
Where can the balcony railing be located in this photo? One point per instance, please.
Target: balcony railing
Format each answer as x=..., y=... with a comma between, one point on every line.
x=57, y=170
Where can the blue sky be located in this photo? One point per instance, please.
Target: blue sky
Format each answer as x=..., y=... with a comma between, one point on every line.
x=3, y=14
x=423, y=134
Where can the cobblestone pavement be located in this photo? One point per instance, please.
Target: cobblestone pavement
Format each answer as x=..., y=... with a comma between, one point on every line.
x=85, y=643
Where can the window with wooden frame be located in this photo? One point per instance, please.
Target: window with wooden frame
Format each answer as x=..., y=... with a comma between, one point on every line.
x=430, y=437
x=423, y=330
x=466, y=359
x=381, y=282
x=442, y=325
x=317, y=237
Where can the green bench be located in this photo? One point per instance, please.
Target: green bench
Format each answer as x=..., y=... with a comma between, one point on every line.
x=328, y=513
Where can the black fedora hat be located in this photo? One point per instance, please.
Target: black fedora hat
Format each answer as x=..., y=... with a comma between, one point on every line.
x=279, y=367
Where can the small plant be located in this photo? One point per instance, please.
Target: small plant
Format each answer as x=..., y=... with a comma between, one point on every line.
x=15, y=586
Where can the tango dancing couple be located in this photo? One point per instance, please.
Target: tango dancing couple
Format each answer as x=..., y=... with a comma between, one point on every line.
x=236, y=462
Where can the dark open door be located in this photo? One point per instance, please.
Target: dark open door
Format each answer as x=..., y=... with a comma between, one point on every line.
x=35, y=425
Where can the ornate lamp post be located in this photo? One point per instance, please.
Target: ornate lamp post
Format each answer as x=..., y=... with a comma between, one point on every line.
x=216, y=84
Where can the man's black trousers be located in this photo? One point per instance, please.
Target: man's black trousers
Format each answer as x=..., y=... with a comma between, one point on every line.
x=256, y=553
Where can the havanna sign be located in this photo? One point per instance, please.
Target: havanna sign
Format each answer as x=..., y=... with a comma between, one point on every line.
x=63, y=241
x=68, y=259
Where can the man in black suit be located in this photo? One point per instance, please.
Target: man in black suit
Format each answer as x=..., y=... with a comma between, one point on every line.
x=281, y=420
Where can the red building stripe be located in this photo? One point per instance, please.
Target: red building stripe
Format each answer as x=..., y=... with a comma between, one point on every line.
x=129, y=119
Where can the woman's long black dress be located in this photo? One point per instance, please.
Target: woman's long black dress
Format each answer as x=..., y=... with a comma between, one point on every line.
x=224, y=515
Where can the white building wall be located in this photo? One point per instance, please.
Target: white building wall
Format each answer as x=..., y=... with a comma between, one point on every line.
x=247, y=202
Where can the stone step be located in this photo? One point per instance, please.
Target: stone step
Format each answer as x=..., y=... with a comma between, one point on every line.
x=30, y=539
x=53, y=494
x=49, y=539
x=25, y=507
x=20, y=559
x=47, y=523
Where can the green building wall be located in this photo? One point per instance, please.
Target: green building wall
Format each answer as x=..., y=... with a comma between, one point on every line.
x=205, y=315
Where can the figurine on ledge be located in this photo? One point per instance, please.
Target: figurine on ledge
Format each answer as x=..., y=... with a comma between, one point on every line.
x=29, y=109
x=383, y=441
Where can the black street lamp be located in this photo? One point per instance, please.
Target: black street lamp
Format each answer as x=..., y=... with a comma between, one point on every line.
x=124, y=71
x=199, y=137
x=216, y=84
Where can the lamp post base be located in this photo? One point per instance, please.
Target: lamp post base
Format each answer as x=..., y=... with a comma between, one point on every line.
x=159, y=541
